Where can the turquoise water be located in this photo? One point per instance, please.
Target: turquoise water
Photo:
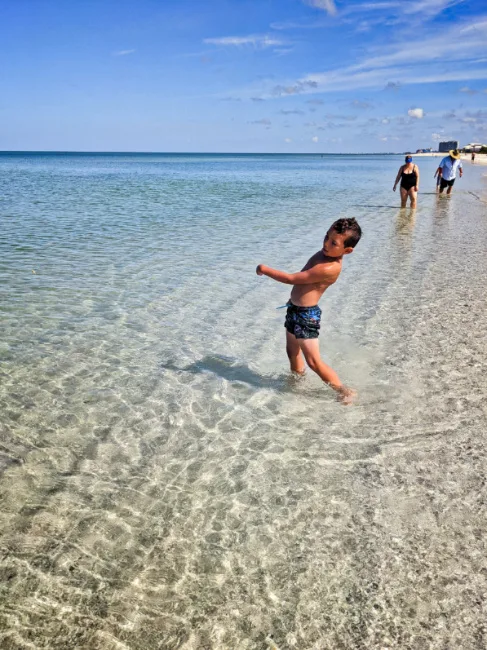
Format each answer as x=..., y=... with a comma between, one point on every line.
x=164, y=484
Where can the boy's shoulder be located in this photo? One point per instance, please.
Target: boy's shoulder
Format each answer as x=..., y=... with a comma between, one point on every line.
x=327, y=266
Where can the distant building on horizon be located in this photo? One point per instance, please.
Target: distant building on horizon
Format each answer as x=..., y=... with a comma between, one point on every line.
x=473, y=146
x=446, y=146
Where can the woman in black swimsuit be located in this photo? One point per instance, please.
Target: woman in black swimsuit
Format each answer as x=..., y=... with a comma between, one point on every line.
x=409, y=176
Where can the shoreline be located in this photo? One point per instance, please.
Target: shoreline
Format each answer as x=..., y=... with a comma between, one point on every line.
x=480, y=158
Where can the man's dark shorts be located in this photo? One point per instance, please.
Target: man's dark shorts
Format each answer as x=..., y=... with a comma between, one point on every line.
x=303, y=322
x=444, y=183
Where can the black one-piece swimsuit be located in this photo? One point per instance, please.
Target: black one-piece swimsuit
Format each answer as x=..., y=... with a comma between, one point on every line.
x=409, y=180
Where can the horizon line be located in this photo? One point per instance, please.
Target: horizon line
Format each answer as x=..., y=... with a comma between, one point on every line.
x=206, y=153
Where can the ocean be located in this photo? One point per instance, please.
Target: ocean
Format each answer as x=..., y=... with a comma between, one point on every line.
x=164, y=483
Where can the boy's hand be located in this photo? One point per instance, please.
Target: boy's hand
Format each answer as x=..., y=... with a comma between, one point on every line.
x=258, y=270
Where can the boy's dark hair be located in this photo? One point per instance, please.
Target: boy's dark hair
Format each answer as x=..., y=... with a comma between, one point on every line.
x=351, y=226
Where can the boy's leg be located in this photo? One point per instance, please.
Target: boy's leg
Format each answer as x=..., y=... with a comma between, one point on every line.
x=294, y=354
x=311, y=351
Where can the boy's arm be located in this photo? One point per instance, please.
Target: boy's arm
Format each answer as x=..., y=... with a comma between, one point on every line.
x=318, y=273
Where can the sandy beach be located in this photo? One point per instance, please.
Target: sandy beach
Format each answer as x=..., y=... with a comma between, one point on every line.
x=480, y=158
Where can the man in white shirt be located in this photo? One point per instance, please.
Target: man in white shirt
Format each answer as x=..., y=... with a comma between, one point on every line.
x=448, y=170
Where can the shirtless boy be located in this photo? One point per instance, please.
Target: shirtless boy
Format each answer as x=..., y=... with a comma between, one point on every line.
x=303, y=314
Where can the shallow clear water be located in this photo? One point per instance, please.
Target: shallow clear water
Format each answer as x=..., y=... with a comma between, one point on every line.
x=164, y=483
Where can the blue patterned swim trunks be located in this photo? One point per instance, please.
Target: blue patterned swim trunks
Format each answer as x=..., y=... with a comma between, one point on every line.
x=303, y=322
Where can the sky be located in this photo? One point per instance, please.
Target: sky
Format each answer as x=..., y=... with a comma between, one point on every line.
x=297, y=76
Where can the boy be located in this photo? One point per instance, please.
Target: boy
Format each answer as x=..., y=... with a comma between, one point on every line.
x=438, y=178
x=303, y=314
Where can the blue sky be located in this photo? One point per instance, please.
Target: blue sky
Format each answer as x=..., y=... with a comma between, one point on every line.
x=242, y=75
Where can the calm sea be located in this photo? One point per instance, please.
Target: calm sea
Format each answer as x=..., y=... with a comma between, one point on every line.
x=163, y=483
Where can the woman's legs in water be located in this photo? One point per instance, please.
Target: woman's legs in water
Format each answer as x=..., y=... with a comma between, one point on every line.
x=413, y=197
x=404, y=197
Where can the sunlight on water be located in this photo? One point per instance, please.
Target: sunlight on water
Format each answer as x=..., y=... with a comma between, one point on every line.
x=164, y=482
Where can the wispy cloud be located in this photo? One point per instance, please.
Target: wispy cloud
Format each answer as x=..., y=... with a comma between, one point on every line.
x=264, y=122
x=291, y=112
x=295, y=25
x=371, y=6
x=429, y=7
x=325, y=5
x=468, y=91
x=421, y=9
x=347, y=118
x=123, y=52
x=358, y=104
x=430, y=58
x=282, y=51
x=255, y=40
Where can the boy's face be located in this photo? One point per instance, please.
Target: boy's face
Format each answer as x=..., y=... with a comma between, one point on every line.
x=334, y=244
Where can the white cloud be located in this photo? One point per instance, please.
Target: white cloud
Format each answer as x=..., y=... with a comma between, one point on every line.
x=315, y=138
x=326, y=5
x=288, y=140
x=418, y=113
x=437, y=137
x=123, y=52
x=386, y=120
x=256, y=40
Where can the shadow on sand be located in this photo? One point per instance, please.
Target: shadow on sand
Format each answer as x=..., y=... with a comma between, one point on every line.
x=233, y=371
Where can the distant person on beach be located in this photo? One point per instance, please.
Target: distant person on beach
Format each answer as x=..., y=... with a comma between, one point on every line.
x=408, y=174
x=448, y=170
x=303, y=314
x=473, y=156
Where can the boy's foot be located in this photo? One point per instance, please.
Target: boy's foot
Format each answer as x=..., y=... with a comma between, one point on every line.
x=346, y=395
